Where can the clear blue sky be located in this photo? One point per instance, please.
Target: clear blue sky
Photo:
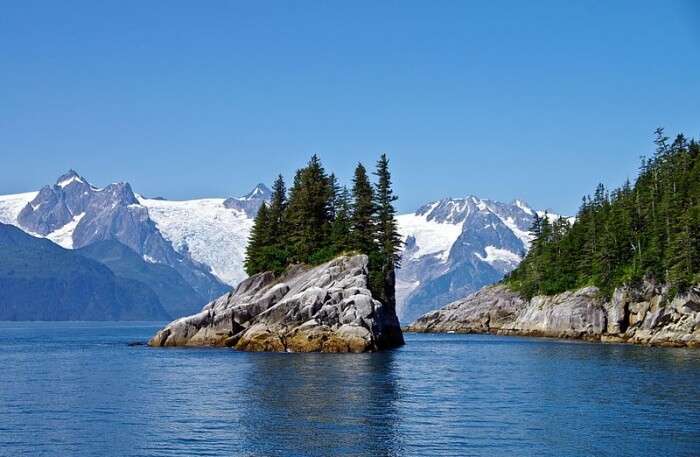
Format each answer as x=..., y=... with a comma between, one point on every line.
x=539, y=100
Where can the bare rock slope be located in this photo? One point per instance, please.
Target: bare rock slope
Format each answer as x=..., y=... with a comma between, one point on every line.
x=645, y=315
x=327, y=308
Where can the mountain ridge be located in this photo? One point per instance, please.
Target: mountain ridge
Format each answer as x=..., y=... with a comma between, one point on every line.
x=40, y=280
x=455, y=246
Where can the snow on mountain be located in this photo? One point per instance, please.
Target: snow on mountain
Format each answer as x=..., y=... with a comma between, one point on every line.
x=250, y=202
x=455, y=246
x=212, y=234
x=76, y=214
x=429, y=236
x=495, y=256
x=452, y=246
x=73, y=213
x=12, y=205
x=64, y=236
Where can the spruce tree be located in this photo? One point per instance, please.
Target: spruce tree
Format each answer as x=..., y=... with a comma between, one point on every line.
x=364, y=230
x=278, y=205
x=275, y=253
x=257, y=242
x=646, y=230
x=340, y=229
x=388, y=237
x=309, y=214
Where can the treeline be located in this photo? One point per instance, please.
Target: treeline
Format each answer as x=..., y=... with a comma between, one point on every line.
x=647, y=230
x=317, y=220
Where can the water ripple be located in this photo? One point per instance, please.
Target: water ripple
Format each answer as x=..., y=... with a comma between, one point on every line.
x=80, y=389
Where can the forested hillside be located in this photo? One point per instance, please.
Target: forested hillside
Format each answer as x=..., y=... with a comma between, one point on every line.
x=650, y=229
x=318, y=219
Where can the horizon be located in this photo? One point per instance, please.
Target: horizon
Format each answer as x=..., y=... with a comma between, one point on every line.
x=532, y=102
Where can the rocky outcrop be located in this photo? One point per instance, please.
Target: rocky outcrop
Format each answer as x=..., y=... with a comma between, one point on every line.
x=644, y=315
x=327, y=308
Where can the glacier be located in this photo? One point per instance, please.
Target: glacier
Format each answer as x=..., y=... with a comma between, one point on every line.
x=212, y=234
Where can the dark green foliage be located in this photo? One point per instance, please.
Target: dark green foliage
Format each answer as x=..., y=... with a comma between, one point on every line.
x=259, y=239
x=341, y=226
x=364, y=229
x=321, y=220
x=309, y=212
x=647, y=230
x=388, y=237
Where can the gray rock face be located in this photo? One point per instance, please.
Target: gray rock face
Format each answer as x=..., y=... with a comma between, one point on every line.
x=56, y=205
x=457, y=246
x=251, y=202
x=327, y=308
x=110, y=213
x=642, y=316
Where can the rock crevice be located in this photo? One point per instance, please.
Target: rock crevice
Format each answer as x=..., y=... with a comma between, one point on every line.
x=323, y=309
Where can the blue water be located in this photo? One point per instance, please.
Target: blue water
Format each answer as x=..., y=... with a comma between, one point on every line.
x=80, y=389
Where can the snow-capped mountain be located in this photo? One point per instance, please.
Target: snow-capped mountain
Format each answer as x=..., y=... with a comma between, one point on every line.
x=207, y=235
x=250, y=202
x=203, y=240
x=456, y=246
x=452, y=246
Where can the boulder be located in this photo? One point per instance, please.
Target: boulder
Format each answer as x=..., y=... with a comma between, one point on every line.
x=328, y=308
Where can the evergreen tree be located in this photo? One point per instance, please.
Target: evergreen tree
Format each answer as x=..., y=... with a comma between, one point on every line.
x=364, y=230
x=309, y=214
x=649, y=229
x=257, y=242
x=320, y=220
x=341, y=225
x=388, y=237
x=278, y=206
x=275, y=253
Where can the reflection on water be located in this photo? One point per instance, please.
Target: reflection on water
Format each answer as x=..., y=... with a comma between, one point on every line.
x=321, y=403
x=79, y=389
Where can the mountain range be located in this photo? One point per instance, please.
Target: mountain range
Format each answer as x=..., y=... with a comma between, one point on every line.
x=192, y=251
x=189, y=251
x=455, y=246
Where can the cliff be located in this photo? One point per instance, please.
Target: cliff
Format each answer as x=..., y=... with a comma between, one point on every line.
x=327, y=308
x=644, y=315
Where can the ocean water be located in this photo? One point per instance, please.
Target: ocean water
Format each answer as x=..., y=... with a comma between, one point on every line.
x=80, y=389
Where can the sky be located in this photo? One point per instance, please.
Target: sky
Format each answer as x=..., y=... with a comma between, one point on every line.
x=535, y=100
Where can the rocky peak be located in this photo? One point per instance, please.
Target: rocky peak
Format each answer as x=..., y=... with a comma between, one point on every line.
x=327, y=308
x=261, y=191
x=454, y=246
x=250, y=203
x=70, y=178
x=78, y=214
x=69, y=200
